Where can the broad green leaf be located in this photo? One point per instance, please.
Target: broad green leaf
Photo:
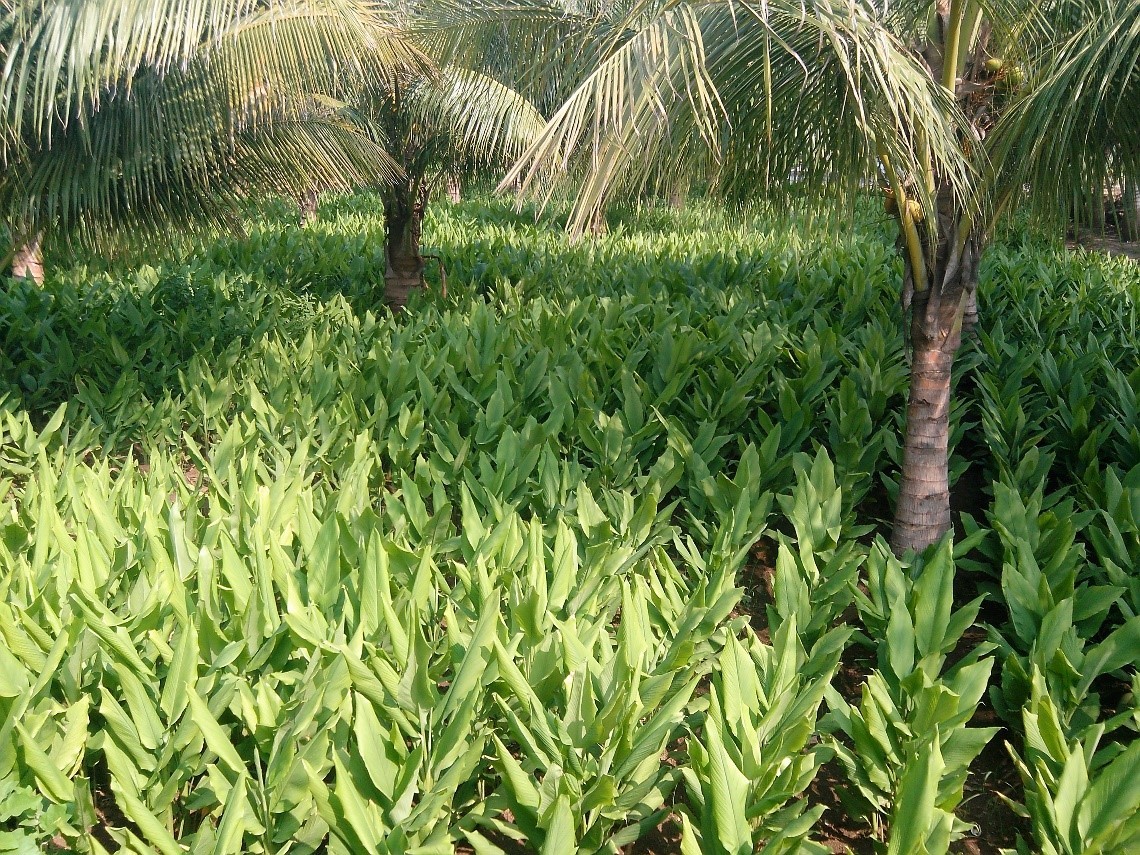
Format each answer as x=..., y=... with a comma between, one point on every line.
x=231, y=829
x=53, y=784
x=216, y=738
x=914, y=809
x=561, y=838
x=728, y=794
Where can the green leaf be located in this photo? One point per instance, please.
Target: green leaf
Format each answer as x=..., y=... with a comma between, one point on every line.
x=690, y=843
x=52, y=782
x=561, y=838
x=155, y=833
x=1117, y=651
x=231, y=829
x=914, y=810
x=217, y=739
x=1114, y=795
x=728, y=793
x=521, y=784
x=355, y=811
x=900, y=640
x=480, y=652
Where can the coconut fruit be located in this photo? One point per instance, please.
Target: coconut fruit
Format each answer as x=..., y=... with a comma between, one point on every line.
x=1012, y=78
x=915, y=210
x=994, y=65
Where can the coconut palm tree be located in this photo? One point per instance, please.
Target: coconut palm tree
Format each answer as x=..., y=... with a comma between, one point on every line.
x=455, y=122
x=499, y=67
x=143, y=115
x=813, y=101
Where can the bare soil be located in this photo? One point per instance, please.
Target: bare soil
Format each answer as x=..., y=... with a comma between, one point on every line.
x=1107, y=243
x=996, y=826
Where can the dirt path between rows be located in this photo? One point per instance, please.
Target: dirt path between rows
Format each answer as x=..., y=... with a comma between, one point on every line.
x=1109, y=245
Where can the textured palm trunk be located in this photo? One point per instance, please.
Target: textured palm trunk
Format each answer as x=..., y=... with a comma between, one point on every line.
x=454, y=189
x=1095, y=203
x=1088, y=215
x=598, y=225
x=27, y=261
x=922, y=514
x=403, y=213
x=679, y=196
x=308, y=206
x=1130, y=190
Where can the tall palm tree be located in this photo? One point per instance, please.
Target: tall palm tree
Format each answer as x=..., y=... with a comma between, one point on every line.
x=143, y=115
x=816, y=100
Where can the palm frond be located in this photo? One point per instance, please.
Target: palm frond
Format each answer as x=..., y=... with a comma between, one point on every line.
x=155, y=162
x=484, y=120
x=794, y=100
x=60, y=54
x=540, y=48
x=63, y=59
x=1079, y=120
x=252, y=108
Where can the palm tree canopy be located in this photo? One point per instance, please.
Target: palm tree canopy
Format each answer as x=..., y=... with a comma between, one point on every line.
x=1078, y=124
x=539, y=48
x=166, y=112
x=494, y=62
x=787, y=98
x=62, y=59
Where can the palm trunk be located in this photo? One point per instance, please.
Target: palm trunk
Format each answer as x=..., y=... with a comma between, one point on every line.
x=308, y=206
x=27, y=261
x=970, y=313
x=679, y=196
x=941, y=297
x=598, y=225
x=922, y=515
x=1088, y=213
x=1097, y=219
x=403, y=213
x=454, y=189
x=1130, y=192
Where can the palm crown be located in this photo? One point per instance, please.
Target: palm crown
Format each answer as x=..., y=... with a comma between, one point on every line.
x=124, y=114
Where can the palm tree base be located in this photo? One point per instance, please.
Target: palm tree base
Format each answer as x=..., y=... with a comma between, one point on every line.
x=398, y=287
x=308, y=207
x=28, y=263
x=922, y=515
